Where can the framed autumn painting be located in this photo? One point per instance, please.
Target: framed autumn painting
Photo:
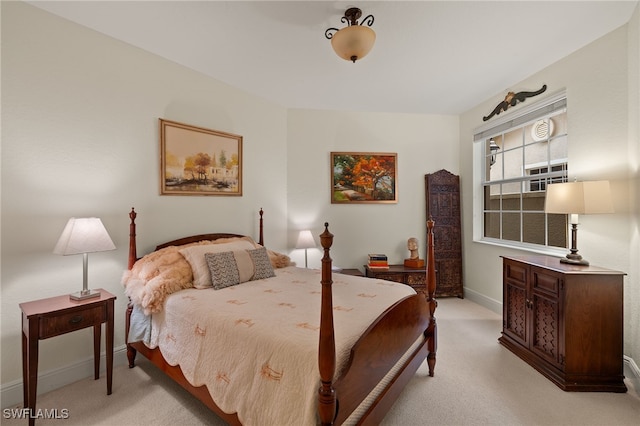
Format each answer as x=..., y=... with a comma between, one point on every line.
x=364, y=177
x=199, y=161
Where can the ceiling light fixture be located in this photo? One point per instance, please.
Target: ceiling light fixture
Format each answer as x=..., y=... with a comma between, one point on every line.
x=354, y=41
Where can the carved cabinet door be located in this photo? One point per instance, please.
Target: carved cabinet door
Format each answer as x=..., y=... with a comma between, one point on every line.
x=546, y=299
x=442, y=190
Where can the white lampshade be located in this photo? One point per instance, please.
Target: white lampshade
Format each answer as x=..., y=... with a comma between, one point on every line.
x=305, y=240
x=83, y=235
x=353, y=42
x=579, y=198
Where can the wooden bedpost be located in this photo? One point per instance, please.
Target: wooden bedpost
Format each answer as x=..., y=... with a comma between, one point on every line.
x=327, y=346
x=431, y=332
x=132, y=238
x=131, y=352
x=261, y=236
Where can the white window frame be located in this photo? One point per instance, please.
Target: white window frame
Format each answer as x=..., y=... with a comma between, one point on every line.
x=552, y=163
x=526, y=113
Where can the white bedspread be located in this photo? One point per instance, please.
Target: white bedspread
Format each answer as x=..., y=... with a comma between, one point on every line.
x=255, y=345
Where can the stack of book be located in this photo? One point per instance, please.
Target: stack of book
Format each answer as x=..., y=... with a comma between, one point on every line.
x=378, y=261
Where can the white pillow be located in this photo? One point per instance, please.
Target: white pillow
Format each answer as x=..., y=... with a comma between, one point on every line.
x=199, y=267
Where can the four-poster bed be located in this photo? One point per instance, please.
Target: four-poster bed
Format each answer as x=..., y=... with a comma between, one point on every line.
x=357, y=383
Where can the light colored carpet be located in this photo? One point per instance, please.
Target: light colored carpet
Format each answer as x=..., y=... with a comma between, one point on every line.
x=477, y=382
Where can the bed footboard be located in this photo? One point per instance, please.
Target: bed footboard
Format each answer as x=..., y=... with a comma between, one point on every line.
x=382, y=346
x=389, y=344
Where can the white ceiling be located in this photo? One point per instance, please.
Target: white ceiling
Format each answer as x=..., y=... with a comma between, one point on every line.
x=434, y=57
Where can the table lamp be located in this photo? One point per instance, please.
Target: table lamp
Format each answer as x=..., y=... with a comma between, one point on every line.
x=305, y=241
x=84, y=236
x=576, y=198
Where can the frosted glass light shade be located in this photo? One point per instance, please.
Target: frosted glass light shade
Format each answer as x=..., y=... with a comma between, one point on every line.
x=83, y=235
x=579, y=198
x=353, y=42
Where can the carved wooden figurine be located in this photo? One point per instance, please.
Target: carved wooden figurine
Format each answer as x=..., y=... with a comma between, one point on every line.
x=414, y=260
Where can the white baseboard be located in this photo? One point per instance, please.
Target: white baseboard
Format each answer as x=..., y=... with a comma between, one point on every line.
x=635, y=370
x=11, y=393
x=481, y=299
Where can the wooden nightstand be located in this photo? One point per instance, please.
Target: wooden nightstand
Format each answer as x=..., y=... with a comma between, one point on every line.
x=58, y=315
x=414, y=277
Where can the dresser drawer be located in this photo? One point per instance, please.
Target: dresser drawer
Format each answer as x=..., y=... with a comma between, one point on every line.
x=545, y=281
x=75, y=320
x=515, y=271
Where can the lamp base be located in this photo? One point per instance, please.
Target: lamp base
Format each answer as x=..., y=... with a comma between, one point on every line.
x=574, y=260
x=84, y=294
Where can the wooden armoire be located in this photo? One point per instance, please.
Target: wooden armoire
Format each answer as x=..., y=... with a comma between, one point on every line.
x=442, y=190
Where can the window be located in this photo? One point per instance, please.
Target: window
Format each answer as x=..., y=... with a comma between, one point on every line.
x=521, y=155
x=541, y=184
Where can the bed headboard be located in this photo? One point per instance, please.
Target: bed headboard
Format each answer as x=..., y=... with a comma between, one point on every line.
x=195, y=239
x=181, y=241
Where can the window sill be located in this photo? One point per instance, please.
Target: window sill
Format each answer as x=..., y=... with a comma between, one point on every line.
x=529, y=248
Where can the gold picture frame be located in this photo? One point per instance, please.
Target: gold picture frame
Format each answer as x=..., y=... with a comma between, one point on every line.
x=199, y=161
x=364, y=177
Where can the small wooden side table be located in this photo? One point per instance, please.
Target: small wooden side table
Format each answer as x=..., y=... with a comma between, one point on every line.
x=414, y=277
x=58, y=315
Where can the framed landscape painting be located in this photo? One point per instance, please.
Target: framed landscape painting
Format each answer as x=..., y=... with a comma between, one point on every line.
x=364, y=177
x=199, y=161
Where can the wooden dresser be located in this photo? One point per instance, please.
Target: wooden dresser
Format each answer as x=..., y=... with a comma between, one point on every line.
x=565, y=321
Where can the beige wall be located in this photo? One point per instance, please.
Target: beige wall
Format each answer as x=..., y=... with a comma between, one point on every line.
x=365, y=228
x=80, y=138
x=632, y=295
x=601, y=81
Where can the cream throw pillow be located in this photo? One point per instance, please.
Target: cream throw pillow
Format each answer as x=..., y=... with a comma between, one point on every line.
x=199, y=267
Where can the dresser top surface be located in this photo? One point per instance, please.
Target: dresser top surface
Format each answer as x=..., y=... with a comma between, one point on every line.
x=553, y=263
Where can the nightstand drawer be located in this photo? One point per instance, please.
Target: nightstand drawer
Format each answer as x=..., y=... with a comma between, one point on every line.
x=59, y=324
x=399, y=278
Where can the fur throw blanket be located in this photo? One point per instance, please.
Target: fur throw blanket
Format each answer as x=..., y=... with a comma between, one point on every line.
x=161, y=273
